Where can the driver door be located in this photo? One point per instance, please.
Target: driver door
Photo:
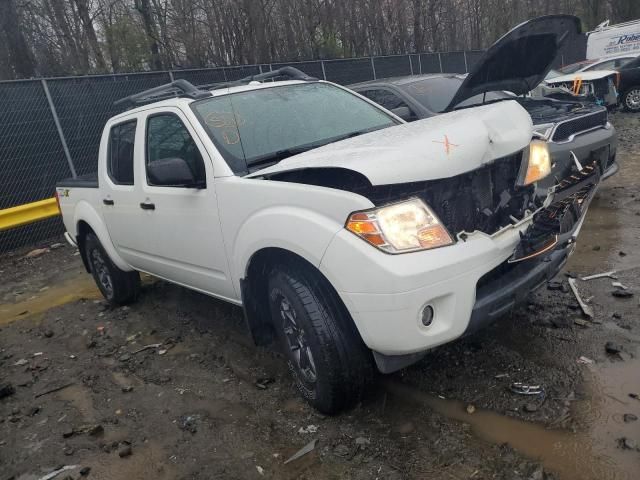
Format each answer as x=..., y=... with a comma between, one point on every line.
x=186, y=245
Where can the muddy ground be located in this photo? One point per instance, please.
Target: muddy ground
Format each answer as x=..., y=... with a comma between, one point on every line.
x=207, y=404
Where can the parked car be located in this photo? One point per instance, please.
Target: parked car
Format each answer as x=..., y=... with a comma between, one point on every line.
x=629, y=85
x=606, y=63
x=598, y=86
x=353, y=238
x=577, y=132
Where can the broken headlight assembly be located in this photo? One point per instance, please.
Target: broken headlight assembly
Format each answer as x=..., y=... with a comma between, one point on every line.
x=402, y=227
x=536, y=163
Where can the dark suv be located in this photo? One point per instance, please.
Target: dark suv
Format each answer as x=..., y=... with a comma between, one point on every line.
x=629, y=85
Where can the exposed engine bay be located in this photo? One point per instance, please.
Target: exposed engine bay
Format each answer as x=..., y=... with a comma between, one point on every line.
x=486, y=199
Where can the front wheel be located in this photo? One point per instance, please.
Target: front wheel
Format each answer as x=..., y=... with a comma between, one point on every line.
x=117, y=286
x=631, y=99
x=330, y=364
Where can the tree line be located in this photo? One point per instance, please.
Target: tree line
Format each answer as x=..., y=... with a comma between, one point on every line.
x=74, y=37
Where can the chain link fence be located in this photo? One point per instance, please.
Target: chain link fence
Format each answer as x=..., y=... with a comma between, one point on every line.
x=50, y=128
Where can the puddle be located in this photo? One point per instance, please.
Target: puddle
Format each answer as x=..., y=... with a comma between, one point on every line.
x=568, y=455
x=70, y=290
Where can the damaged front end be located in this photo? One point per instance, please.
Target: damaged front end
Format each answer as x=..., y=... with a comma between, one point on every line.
x=557, y=224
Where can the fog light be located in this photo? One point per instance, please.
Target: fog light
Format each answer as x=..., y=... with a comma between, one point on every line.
x=427, y=315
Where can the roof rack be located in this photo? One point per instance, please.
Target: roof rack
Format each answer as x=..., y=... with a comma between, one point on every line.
x=177, y=88
x=185, y=89
x=291, y=73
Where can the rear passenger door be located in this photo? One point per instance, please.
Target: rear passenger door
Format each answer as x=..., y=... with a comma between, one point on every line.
x=121, y=191
x=185, y=237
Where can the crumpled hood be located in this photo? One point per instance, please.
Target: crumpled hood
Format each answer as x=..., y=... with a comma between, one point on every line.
x=438, y=147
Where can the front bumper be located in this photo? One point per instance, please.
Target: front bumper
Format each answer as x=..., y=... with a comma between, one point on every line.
x=468, y=284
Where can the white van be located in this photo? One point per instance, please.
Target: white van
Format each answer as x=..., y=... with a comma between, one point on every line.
x=614, y=40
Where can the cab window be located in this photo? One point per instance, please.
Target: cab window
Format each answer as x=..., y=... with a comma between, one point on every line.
x=120, y=153
x=167, y=137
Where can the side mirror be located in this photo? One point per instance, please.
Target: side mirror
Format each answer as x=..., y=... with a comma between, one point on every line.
x=404, y=113
x=173, y=172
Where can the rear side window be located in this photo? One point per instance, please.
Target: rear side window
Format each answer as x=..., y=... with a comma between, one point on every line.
x=120, y=152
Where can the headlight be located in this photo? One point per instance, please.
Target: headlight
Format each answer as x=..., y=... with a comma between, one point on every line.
x=399, y=228
x=536, y=163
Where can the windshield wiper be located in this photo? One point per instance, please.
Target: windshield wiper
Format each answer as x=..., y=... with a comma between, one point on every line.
x=275, y=157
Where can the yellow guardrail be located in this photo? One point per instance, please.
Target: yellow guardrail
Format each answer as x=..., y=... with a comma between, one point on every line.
x=28, y=213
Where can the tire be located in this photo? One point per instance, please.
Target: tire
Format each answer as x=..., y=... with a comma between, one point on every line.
x=631, y=99
x=330, y=364
x=117, y=286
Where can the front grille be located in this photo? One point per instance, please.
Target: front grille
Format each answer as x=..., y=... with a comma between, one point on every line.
x=580, y=124
x=485, y=199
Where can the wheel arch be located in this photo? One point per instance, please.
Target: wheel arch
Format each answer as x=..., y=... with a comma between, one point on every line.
x=254, y=291
x=88, y=220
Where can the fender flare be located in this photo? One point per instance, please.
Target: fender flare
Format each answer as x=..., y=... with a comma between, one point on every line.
x=84, y=212
x=297, y=230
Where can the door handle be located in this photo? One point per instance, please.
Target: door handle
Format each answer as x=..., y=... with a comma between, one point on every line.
x=107, y=201
x=148, y=206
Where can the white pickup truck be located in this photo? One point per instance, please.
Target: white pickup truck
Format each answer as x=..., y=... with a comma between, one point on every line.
x=354, y=239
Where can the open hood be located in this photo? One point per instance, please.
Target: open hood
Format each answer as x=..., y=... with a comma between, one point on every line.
x=519, y=60
x=429, y=149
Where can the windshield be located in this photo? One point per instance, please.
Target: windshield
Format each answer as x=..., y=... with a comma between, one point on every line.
x=263, y=126
x=436, y=93
x=574, y=67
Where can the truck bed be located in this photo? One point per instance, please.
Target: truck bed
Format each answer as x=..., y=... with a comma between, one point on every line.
x=85, y=181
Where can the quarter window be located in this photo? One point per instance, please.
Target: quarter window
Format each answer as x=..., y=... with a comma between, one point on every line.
x=167, y=137
x=120, y=152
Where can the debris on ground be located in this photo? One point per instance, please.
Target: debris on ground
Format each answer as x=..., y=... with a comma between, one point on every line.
x=586, y=309
x=581, y=323
x=308, y=429
x=523, y=389
x=585, y=360
x=611, y=274
x=626, y=443
x=613, y=348
x=142, y=349
x=54, y=389
x=308, y=448
x=471, y=408
x=619, y=285
x=38, y=252
x=124, y=450
x=188, y=423
x=85, y=471
x=58, y=471
x=629, y=417
x=622, y=293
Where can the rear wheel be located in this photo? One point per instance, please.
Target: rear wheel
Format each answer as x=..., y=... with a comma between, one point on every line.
x=329, y=362
x=117, y=286
x=631, y=99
